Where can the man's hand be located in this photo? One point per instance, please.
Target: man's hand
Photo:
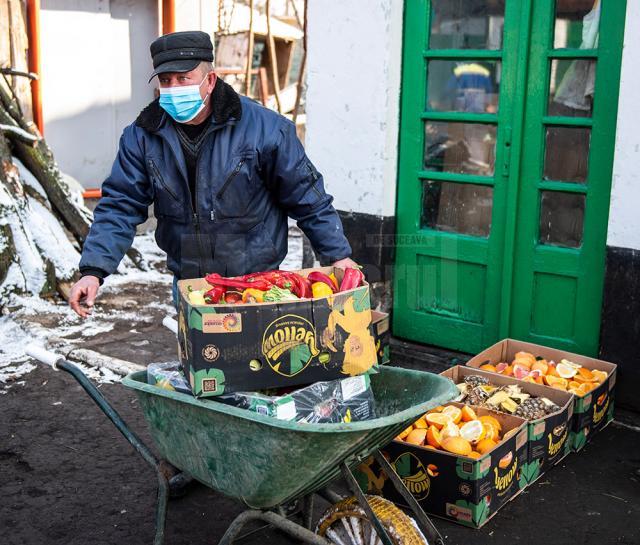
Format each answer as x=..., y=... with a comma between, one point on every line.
x=84, y=290
x=346, y=263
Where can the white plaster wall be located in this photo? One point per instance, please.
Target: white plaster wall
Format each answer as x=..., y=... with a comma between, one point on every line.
x=95, y=65
x=353, y=90
x=624, y=215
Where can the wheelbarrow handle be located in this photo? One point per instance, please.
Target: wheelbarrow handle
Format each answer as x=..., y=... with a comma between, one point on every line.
x=43, y=355
x=170, y=324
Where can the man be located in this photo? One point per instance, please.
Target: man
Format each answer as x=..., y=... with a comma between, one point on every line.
x=223, y=174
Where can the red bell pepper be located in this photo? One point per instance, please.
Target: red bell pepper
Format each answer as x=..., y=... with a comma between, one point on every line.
x=317, y=276
x=215, y=294
x=232, y=297
x=216, y=280
x=352, y=279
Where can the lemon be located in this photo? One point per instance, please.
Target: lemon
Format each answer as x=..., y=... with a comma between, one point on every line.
x=473, y=431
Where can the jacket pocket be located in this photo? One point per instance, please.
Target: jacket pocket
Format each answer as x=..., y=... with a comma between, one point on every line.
x=235, y=194
x=166, y=201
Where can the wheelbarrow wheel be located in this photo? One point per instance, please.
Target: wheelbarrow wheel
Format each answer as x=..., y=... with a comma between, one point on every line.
x=346, y=523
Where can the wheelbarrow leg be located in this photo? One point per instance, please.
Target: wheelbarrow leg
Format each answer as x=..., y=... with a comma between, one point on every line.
x=424, y=522
x=281, y=523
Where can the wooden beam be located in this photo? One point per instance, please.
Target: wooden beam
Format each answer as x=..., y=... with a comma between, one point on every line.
x=249, y=52
x=272, y=58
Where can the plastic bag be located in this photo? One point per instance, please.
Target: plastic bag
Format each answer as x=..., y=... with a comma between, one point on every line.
x=344, y=400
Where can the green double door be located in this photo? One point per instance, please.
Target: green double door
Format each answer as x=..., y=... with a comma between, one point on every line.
x=506, y=150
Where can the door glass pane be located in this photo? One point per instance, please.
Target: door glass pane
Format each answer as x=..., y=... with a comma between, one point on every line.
x=457, y=208
x=577, y=23
x=463, y=86
x=566, y=155
x=571, y=85
x=465, y=148
x=561, y=218
x=466, y=24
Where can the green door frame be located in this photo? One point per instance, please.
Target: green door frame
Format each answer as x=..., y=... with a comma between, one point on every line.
x=520, y=119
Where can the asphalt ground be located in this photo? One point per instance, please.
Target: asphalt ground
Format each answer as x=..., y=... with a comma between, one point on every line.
x=68, y=477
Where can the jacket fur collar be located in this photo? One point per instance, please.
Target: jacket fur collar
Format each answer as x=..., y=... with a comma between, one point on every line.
x=224, y=100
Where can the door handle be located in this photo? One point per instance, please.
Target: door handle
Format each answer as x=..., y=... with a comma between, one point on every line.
x=506, y=149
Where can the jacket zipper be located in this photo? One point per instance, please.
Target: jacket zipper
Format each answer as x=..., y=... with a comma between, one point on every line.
x=158, y=176
x=316, y=177
x=230, y=178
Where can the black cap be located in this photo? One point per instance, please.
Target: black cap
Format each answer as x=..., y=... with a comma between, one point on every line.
x=180, y=51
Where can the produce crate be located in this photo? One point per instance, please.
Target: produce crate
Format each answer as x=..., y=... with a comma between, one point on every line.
x=458, y=488
x=227, y=348
x=381, y=335
x=548, y=436
x=591, y=412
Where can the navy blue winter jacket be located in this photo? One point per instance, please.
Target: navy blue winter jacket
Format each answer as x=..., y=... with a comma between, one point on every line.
x=252, y=173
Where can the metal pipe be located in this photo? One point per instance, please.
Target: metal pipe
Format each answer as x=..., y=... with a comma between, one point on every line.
x=33, y=59
x=168, y=16
x=247, y=90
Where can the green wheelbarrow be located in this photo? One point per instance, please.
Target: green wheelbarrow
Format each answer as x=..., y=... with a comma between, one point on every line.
x=270, y=465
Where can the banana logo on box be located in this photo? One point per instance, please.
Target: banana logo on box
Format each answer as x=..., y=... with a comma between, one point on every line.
x=289, y=344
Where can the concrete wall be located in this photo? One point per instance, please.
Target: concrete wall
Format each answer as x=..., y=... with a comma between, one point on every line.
x=624, y=219
x=353, y=90
x=95, y=66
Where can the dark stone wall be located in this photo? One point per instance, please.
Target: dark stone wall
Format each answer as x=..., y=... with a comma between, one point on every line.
x=620, y=328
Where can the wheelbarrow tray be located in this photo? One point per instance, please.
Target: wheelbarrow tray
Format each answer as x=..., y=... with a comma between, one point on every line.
x=265, y=462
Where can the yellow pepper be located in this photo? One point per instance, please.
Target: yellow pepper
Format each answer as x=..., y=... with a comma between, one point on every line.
x=335, y=280
x=320, y=289
x=252, y=295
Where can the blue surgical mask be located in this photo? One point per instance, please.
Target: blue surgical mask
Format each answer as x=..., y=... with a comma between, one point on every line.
x=183, y=102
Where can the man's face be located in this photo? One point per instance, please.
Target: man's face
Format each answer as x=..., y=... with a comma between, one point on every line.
x=194, y=77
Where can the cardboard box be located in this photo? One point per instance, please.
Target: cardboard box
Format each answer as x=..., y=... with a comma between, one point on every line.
x=229, y=348
x=381, y=335
x=592, y=412
x=451, y=486
x=548, y=437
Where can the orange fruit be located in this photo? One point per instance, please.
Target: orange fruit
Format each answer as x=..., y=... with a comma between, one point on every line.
x=508, y=370
x=474, y=454
x=431, y=447
x=525, y=356
x=587, y=387
x=580, y=379
x=437, y=419
x=438, y=409
x=417, y=436
x=488, y=367
x=599, y=376
x=573, y=384
x=522, y=362
x=490, y=431
x=457, y=445
x=404, y=433
x=421, y=423
x=488, y=419
x=586, y=373
x=485, y=445
x=551, y=371
x=566, y=371
x=468, y=414
x=453, y=412
x=539, y=380
x=472, y=431
x=540, y=365
x=433, y=437
x=449, y=430
x=556, y=382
